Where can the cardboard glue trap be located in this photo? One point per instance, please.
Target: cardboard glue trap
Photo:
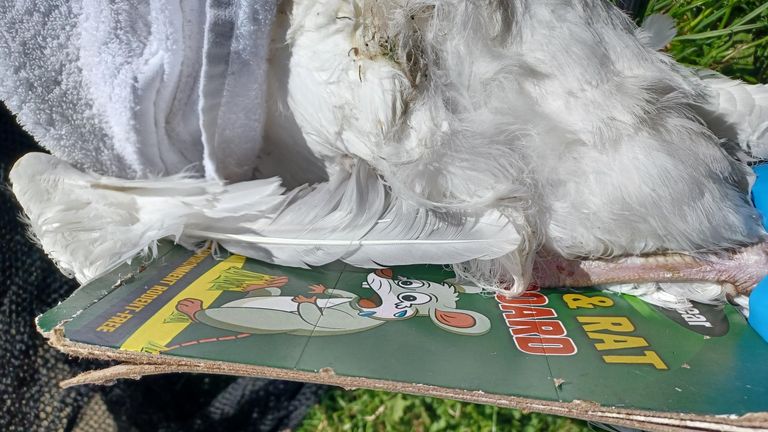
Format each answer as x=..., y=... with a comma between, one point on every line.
x=581, y=353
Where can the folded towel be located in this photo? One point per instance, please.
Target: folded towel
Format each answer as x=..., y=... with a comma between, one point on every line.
x=41, y=81
x=233, y=84
x=138, y=88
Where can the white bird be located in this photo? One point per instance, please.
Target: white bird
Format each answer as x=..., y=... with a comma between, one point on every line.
x=473, y=133
x=589, y=140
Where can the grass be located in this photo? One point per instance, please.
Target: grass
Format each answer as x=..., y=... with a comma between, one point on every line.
x=370, y=411
x=729, y=36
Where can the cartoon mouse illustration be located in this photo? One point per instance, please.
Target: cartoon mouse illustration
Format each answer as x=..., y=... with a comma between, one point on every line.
x=266, y=311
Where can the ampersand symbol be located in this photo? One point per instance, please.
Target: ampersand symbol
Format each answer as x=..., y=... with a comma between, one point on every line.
x=577, y=301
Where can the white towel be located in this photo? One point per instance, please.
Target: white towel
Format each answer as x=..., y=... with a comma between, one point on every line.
x=138, y=88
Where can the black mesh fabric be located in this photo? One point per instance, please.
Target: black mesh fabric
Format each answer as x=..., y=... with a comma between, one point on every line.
x=30, y=370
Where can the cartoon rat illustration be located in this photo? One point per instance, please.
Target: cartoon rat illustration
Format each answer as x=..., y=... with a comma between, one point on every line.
x=266, y=311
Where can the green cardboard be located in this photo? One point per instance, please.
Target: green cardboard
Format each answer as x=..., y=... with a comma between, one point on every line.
x=583, y=353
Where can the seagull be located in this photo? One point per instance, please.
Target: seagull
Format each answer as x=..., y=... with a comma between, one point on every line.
x=523, y=142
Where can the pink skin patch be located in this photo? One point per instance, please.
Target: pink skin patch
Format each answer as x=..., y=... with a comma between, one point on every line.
x=742, y=268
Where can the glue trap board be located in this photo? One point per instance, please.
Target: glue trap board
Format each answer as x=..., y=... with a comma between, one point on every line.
x=579, y=353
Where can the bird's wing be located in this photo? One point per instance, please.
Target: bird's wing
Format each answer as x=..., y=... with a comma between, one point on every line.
x=345, y=89
x=737, y=111
x=89, y=223
x=355, y=219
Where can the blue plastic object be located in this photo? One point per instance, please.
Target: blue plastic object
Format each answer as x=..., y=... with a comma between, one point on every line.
x=758, y=299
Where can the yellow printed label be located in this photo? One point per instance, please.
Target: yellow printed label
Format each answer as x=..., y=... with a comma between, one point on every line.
x=157, y=331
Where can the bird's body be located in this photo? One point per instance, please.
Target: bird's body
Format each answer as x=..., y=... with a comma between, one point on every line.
x=553, y=125
x=582, y=131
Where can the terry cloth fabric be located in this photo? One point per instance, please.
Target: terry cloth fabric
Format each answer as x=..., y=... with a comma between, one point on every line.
x=136, y=88
x=30, y=370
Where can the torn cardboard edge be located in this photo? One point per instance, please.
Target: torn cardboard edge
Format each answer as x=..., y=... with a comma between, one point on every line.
x=136, y=365
x=93, y=291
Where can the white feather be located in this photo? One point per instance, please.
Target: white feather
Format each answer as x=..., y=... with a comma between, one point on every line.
x=89, y=224
x=673, y=295
x=737, y=111
x=657, y=31
x=354, y=219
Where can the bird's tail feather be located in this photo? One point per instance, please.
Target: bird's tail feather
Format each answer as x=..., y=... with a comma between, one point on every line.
x=89, y=224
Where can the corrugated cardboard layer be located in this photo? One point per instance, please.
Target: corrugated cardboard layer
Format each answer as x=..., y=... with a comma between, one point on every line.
x=135, y=365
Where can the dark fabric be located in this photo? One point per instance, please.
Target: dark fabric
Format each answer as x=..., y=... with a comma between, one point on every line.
x=30, y=399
